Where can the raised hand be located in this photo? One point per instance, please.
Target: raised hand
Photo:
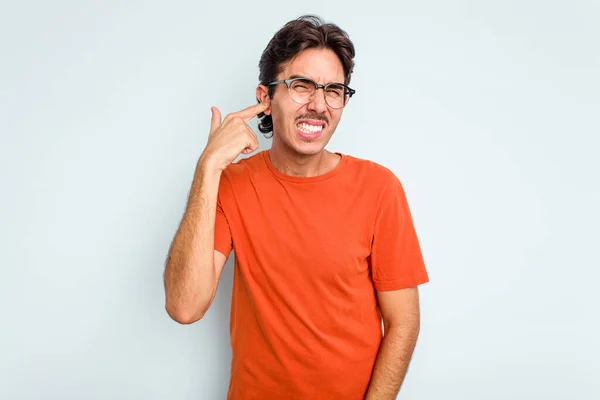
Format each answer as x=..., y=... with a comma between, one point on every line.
x=230, y=137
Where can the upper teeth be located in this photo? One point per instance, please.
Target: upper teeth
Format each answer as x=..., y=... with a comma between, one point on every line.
x=309, y=128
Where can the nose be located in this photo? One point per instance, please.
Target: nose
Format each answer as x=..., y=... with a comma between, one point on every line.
x=318, y=103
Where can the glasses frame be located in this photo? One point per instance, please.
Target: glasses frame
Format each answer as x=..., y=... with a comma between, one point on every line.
x=288, y=83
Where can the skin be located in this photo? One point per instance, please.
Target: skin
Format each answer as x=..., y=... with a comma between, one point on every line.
x=290, y=153
x=294, y=155
x=193, y=267
x=401, y=321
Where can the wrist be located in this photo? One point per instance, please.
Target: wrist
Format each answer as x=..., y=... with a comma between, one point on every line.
x=206, y=166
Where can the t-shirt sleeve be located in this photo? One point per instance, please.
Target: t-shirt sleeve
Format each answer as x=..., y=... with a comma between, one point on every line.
x=396, y=257
x=223, y=240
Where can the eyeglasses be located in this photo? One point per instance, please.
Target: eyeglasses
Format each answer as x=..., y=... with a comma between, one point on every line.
x=303, y=90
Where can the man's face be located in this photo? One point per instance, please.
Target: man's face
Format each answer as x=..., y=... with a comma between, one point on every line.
x=305, y=129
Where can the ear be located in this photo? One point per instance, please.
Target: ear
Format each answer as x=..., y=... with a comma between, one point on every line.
x=262, y=96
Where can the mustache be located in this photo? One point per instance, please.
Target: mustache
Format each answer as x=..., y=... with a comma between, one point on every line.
x=313, y=116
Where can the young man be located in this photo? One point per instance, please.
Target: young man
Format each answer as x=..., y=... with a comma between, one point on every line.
x=325, y=247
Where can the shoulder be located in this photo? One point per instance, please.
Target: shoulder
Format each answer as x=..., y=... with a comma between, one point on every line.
x=383, y=185
x=368, y=171
x=244, y=168
x=377, y=181
x=238, y=177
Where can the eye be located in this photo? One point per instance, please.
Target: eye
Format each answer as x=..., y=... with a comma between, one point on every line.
x=303, y=86
x=335, y=90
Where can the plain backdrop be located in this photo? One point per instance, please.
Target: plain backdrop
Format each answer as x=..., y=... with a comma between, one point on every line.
x=488, y=111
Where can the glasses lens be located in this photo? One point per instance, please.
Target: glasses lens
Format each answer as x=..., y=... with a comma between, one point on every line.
x=302, y=91
x=336, y=95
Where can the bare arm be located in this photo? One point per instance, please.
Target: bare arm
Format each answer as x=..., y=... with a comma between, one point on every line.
x=193, y=267
x=401, y=319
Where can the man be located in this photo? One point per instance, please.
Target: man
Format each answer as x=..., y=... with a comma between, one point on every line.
x=325, y=247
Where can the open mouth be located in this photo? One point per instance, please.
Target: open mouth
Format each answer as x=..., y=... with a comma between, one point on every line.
x=310, y=129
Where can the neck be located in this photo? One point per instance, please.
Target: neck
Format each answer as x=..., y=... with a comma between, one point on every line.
x=302, y=165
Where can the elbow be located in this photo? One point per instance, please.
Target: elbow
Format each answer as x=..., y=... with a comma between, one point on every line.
x=185, y=315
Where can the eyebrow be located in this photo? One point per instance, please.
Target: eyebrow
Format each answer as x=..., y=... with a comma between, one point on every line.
x=304, y=77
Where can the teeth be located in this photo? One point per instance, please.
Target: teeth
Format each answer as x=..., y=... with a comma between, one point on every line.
x=307, y=128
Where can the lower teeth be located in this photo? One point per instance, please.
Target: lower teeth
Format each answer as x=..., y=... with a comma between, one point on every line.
x=309, y=132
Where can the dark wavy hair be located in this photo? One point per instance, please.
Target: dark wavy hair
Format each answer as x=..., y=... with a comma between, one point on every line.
x=306, y=32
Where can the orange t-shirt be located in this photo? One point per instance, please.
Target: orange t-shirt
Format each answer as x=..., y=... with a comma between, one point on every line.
x=309, y=255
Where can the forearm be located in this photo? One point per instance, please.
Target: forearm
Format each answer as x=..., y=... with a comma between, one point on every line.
x=392, y=361
x=190, y=277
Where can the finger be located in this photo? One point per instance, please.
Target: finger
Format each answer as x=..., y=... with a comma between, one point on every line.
x=250, y=148
x=248, y=113
x=215, y=121
x=252, y=142
x=252, y=135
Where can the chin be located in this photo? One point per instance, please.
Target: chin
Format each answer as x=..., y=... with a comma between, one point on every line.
x=307, y=145
x=309, y=148
x=310, y=152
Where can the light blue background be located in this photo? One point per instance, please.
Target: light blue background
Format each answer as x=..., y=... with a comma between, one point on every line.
x=488, y=111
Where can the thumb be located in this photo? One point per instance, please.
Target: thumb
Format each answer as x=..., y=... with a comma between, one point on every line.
x=215, y=121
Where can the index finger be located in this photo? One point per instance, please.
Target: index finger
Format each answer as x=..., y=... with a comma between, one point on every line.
x=248, y=113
